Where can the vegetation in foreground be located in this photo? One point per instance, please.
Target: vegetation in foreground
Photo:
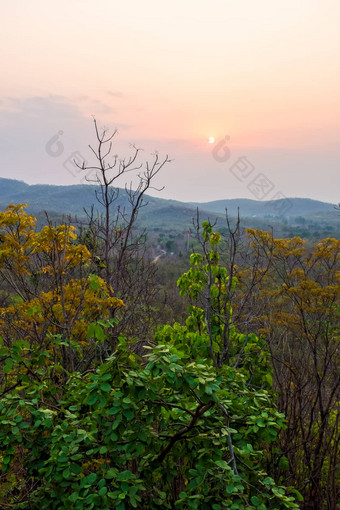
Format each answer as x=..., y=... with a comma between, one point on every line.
x=185, y=426
x=233, y=403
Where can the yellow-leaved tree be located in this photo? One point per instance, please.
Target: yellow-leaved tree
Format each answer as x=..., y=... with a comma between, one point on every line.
x=300, y=315
x=53, y=299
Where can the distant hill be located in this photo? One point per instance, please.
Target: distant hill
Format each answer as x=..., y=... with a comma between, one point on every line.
x=43, y=197
x=72, y=200
x=286, y=207
x=297, y=216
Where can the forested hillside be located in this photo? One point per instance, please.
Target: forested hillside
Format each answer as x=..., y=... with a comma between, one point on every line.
x=205, y=380
x=306, y=217
x=75, y=197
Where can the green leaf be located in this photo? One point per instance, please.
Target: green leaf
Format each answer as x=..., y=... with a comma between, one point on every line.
x=116, y=422
x=62, y=459
x=222, y=464
x=296, y=493
x=99, y=333
x=92, y=478
x=66, y=473
x=125, y=475
x=268, y=481
x=128, y=414
x=94, y=282
x=73, y=498
x=75, y=468
x=105, y=387
x=24, y=425
x=111, y=473
x=92, y=399
x=91, y=330
x=8, y=365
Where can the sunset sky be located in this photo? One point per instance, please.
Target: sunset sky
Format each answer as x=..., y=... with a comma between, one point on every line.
x=169, y=75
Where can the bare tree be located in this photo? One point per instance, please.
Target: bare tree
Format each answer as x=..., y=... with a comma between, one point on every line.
x=120, y=250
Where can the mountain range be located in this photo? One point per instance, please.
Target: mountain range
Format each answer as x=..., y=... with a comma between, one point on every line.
x=288, y=217
x=73, y=199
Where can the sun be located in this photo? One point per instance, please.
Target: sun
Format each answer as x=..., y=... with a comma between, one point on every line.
x=211, y=139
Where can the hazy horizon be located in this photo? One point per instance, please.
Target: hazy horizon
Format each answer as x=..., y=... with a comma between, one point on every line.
x=159, y=194
x=260, y=78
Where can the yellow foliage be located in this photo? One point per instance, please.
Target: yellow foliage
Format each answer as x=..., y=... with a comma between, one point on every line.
x=54, y=245
x=64, y=304
x=16, y=237
x=69, y=309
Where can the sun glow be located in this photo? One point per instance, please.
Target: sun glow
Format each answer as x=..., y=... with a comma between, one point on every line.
x=211, y=139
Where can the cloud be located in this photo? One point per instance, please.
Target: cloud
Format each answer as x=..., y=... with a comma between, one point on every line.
x=115, y=93
x=38, y=134
x=26, y=126
x=46, y=108
x=94, y=105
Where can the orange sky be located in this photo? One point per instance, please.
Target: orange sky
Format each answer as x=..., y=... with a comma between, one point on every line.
x=169, y=75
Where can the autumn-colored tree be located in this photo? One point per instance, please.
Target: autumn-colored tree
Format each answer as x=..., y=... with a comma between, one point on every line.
x=54, y=295
x=301, y=324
